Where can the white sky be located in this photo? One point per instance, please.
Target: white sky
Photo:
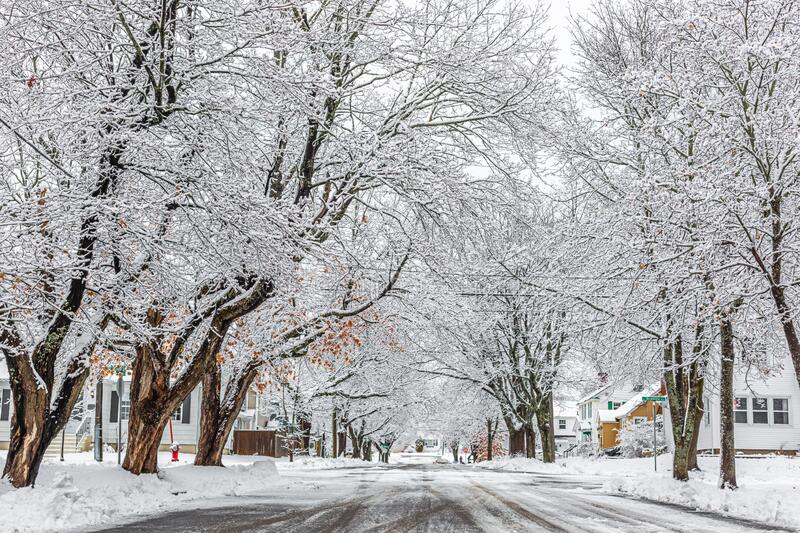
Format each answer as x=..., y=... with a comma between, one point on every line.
x=559, y=21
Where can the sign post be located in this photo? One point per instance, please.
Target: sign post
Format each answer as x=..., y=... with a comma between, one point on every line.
x=654, y=399
x=120, y=391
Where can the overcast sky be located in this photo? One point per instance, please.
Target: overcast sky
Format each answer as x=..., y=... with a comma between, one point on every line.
x=559, y=20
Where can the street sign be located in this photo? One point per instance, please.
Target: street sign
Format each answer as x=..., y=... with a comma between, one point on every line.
x=654, y=398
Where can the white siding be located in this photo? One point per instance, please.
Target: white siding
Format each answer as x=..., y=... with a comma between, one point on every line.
x=752, y=436
x=5, y=425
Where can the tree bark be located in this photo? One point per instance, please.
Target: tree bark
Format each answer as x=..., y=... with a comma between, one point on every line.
x=218, y=417
x=150, y=410
x=489, y=438
x=516, y=438
x=692, y=462
x=544, y=421
x=727, y=463
x=530, y=443
x=684, y=380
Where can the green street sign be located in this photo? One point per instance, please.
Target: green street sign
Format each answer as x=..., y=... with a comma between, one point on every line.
x=654, y=398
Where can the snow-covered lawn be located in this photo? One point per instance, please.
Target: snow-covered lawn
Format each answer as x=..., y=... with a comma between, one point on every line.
x=768, y=487
x=80, y=493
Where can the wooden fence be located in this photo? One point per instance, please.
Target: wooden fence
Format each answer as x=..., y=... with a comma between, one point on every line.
x=259, y=442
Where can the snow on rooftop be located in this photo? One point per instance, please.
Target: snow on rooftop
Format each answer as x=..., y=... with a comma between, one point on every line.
x=626, y=408
x=593, y=394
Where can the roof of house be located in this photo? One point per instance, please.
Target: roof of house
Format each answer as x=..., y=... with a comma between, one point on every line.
x=627, y=408
x=593, y=394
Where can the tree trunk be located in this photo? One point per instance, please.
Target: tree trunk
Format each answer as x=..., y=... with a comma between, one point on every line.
x=516, y=438
x=217, y=418
x=544, y=421
x=692, y=462
x=36, y=420
x=684, y=383
x=489, y=439
x=149, y=412
x=28, y=439
x=530, y=443
x=334, y=435
x=727, y=461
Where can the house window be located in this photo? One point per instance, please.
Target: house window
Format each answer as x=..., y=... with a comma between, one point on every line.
x=589, y=410
x=115, y=408
x=707, y=409
x=562, y=424
x=183, y=413
x=760, y=414
x=740, y=410
x=780, y=410
x=5, y=404
x=615, y=405
x=638, y=420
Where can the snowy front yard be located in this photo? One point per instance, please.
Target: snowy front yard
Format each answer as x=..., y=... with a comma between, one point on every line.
x=81, y=493
x=768, y=487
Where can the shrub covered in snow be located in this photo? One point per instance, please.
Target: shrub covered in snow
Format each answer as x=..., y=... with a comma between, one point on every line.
x=636, y=440
x=586, y=449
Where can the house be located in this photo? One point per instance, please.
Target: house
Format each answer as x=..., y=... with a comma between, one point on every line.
x=80, y=429
x=565, y=421
x=634, y=411
x=765, y=411
x=5, y=407
x=605, y=398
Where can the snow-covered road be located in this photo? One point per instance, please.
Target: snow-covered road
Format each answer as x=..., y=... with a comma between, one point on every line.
x=437, y=498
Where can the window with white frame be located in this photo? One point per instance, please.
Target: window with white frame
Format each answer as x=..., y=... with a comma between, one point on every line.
x=740, y=409
x=637, y=420
x=707, y=408
x=780, y=410
x=760, y=411
x=178, y=413
x=562, y=424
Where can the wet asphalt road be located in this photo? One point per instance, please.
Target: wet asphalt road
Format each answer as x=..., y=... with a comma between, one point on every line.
x=441, y=499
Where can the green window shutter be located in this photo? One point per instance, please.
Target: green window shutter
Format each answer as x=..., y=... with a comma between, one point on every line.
x=610, y=405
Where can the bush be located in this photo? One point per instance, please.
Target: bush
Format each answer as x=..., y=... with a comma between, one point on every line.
x=586, y=449
x=636, y=440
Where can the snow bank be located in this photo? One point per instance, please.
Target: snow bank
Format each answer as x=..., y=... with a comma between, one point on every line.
x=753, y=503
x=82, y=495
x=318, y=463
x=768, y=487
x=521, y=464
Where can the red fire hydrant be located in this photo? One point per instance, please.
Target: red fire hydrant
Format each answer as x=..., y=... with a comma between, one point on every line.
x=175, y=447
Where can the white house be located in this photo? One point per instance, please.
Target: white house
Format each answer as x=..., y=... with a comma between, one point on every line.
x=5, y=406
x=565, y=420
x=79, y=431
x=766, y=412
x=605, y=398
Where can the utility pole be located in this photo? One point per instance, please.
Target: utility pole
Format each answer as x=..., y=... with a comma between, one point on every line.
x=120, y=390
x=98, y=420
